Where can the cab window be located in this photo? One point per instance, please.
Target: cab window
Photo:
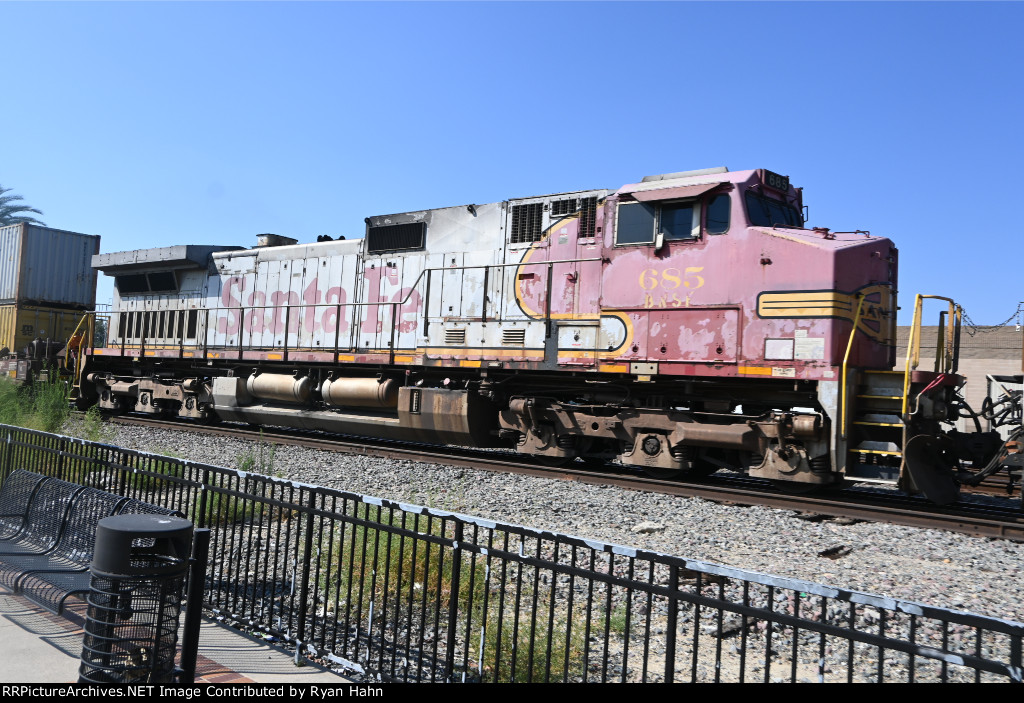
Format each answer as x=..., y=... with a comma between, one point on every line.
x=637, y=223
x=680, y=221
x=768, y=212
x=718, y=214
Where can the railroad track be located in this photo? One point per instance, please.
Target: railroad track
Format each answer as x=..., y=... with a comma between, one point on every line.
x=981, y=514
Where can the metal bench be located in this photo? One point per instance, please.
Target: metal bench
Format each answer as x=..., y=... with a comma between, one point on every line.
x=48, y=560
x=44, y=515
x=15, y=495
x=69, y=577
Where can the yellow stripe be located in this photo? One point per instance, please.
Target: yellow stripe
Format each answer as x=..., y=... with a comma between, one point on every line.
x=525, y=261
x=805, y=304
x=755, y=370
x=462, y=351
x=404, y=359
x=615, y=368
x=469, y=364
x=277, y=357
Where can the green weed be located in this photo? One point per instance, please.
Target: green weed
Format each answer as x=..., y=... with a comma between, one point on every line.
x=259, y=460
x=165, y=465
x=43, y=405
x=93, y=428
x=222, y=509
x=413, y=577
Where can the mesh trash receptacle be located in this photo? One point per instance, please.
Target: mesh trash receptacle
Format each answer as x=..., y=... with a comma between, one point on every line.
x=137, y=576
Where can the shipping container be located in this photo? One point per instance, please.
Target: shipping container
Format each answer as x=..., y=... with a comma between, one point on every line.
x=47, y=267
x=20, y=325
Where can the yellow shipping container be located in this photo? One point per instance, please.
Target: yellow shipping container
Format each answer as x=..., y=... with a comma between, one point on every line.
x=20, y=324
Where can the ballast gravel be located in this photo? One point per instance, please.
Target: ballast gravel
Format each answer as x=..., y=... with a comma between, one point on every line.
x=933, y=567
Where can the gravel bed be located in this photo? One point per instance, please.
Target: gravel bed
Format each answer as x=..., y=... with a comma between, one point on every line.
x=928, y=566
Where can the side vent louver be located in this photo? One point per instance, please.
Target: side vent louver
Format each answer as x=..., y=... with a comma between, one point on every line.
x=588, y=216
x=586, y=207
x=513, y=337
x=564, y=207
x=395, y=237
x=526, y=223
x=455, y=336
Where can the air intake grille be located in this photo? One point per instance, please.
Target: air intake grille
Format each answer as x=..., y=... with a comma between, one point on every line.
x=564, y=207
x=526, y=223
x=588, y=216
x=395, y=237
x=513, y=337
x=455, y=336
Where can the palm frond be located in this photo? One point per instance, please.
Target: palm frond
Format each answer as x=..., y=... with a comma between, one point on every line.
x=12, y=211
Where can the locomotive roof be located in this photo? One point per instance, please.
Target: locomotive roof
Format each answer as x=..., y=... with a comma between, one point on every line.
x=182, y=256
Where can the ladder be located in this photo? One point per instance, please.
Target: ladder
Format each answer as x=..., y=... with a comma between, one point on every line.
x=878, y=404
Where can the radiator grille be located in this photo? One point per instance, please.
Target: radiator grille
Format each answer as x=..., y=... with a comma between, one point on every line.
x=588, y=217
x=526, y=223
x=513, y=337
x=564, y=207
x=395, y=237
x=455, y=336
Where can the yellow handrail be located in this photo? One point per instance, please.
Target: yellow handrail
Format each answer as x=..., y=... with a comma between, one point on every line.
x=914, y=343
x=87, y=340
x=73, y=334
x=846, y=359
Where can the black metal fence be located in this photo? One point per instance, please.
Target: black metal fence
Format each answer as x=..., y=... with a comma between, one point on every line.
x=399, y=592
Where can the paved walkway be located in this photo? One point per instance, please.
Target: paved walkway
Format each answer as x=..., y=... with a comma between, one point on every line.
x=39, y=647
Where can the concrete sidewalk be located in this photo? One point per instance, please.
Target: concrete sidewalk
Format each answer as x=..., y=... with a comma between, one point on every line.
x=39, y=647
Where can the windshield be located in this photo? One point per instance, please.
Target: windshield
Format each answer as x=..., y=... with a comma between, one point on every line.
x=767, y=212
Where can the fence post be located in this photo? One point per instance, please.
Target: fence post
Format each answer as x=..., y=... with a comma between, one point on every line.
x=304, y=586
x=123, y=474
x=194, y=604
x=453, y=602
x=204, y=491
x=62, y=446
x=670, y=628
x=7, y=454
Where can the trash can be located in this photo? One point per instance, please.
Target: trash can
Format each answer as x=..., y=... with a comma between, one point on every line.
x=138, y=573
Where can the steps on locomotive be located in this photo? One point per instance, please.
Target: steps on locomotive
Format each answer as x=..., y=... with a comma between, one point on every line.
x=875, y=430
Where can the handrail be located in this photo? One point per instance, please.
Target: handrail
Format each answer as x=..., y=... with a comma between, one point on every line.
x=949, y=354
x=395, y=305
x=846, y=359
x=73, y=333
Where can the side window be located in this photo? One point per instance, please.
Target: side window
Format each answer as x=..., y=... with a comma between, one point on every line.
x=635, y=223
x=680, y=221
x=718, y=214
x=638, y=222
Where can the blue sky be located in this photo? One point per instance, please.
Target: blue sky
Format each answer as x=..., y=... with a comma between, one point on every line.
x=155, y=124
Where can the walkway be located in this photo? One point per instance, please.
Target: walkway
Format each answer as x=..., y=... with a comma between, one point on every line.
x=39, y=647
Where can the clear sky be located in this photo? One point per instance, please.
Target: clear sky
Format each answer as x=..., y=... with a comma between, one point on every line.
x=155, y=124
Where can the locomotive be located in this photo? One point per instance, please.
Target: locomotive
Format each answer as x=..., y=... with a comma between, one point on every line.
x=682, y=324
